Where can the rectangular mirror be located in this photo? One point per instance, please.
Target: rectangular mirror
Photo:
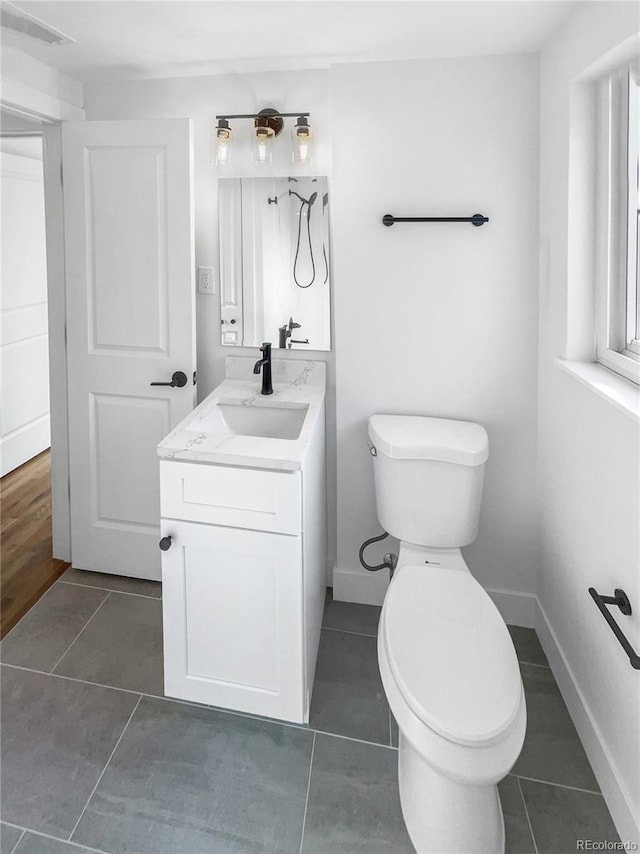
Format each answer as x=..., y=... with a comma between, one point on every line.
x=274, y=262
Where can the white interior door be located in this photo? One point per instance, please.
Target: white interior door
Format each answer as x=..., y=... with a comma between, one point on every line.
x=128, y=218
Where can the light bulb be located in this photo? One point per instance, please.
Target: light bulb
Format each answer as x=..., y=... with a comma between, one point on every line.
x=302, y=141
x=261, y=152
x=223, y=153
x=222, y=142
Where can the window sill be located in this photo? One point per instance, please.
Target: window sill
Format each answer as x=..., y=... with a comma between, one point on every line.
x=623, y=394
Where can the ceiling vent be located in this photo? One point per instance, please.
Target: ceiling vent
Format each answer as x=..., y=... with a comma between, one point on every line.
x=12, y=18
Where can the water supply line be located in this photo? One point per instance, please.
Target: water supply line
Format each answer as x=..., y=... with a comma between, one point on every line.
x=389, y=560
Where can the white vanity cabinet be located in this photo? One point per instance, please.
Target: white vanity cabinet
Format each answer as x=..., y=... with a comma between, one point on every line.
x=244, y=581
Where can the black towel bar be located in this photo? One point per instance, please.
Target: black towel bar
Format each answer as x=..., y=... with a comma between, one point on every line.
x=476, y=219
x=620, y=599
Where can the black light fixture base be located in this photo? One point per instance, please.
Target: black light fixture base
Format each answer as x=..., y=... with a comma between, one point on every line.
x=272, y=119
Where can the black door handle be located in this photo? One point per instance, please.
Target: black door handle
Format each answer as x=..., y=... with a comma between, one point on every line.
x=165, y=544
x=177, y=380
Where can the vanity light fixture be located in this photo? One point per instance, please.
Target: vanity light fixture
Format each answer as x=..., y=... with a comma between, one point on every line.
x=267, y=125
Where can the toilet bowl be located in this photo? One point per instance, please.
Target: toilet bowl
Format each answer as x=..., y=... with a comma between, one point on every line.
x=447, y=662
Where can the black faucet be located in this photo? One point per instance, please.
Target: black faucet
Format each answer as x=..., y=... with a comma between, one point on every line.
x=285, y=332
x=285, y=340
x=265, y=364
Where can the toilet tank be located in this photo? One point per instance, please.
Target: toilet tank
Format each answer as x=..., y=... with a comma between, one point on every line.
x=428, y=478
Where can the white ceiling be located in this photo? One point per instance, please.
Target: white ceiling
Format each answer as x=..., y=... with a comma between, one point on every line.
x=129, y=39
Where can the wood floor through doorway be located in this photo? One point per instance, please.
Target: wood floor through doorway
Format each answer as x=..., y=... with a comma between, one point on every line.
x=27, y=567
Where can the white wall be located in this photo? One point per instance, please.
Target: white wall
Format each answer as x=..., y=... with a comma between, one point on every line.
x=589, y=458
x=201, y=98
x=24, y=387
x=438, y=319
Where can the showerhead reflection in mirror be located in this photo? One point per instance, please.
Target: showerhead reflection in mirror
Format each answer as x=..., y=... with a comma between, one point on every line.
x=309, y=204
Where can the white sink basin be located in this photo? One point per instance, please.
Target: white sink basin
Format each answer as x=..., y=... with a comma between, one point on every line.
x=271, y=422
x=236, y=425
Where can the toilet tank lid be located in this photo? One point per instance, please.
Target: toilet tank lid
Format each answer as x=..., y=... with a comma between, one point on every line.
x=417, y=437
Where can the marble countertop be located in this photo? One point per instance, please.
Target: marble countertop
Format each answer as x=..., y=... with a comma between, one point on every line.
x=295, y=383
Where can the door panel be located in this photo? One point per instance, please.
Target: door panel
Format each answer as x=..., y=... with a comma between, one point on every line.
x=130, y=321
x=127, y=253
x=144, y=422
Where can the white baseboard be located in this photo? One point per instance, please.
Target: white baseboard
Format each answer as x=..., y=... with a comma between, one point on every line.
x=517, y=609
x=24, y=443
x=615, y=795
x=366, y=588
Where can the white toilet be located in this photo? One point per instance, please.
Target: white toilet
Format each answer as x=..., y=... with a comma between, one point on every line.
x=447, y=662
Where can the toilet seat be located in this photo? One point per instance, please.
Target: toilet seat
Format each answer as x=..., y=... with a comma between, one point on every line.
x=467, y=687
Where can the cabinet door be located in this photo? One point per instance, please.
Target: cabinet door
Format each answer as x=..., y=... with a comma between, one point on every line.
x=232, y=606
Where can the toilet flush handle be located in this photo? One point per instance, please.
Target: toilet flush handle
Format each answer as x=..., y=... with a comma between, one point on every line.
x=372, y=450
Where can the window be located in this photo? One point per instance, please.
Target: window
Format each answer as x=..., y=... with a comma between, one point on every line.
x=618, y=328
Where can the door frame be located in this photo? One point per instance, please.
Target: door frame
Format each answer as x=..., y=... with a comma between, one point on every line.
x=57, y=296
x=57, y=307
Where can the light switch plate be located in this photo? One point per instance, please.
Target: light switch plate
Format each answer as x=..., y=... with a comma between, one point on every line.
x=206, y=280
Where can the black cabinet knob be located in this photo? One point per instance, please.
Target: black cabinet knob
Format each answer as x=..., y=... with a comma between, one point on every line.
x=178, y=379
x=165, y=544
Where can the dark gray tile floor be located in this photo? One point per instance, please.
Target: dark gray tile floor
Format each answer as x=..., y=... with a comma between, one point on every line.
x=350, y=617
x=516, y=822
x=348, y=697
x=552, y=749
x=121, y=646
x=94, y=760
x=57, y=737
x=353, y=802
x=559, y=816
x=119, y=583
x=44, y=634
x=9, y=838
x=220, y=783
x=36, y=843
